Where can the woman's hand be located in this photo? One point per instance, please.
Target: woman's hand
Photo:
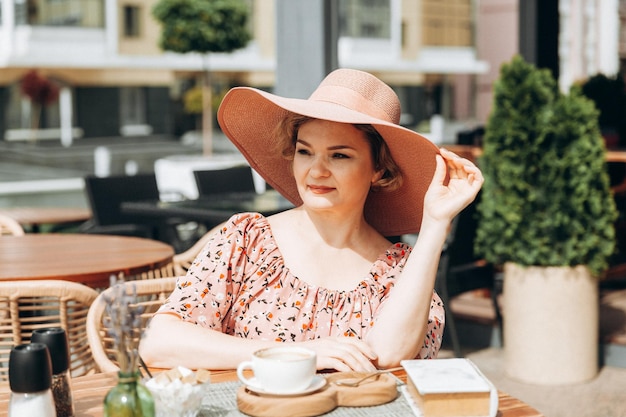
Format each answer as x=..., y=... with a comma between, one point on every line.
x=342, y=353
x=444, y=201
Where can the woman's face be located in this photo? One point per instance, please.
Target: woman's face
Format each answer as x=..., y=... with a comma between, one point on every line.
x=333, y=166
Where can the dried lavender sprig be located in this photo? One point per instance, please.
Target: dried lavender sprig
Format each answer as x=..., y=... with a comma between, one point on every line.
x=123, y=323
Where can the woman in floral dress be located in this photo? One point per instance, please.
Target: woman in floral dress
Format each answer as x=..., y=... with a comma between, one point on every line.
x=322, y=275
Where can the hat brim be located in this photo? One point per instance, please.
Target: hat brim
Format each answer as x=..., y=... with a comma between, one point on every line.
x=248, y=117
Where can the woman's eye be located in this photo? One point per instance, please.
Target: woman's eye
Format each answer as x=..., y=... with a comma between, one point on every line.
x=340, y=155
x=302, y=151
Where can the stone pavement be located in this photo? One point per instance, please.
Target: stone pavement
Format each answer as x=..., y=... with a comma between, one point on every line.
x=48, y=174
x=603, y=396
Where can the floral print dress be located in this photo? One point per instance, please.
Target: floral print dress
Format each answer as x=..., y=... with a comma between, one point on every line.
x=240, y=286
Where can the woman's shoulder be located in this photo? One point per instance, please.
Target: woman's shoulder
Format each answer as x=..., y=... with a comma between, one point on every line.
x=395, y=255
x=246, y=221
x=399, y=248
x=249, y=228
x=241, y=227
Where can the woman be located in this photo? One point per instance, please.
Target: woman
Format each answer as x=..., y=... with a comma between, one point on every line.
x=322, y=275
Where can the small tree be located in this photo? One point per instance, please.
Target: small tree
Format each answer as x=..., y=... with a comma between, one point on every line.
x=546, y=199
x=41, y=92
x=203, y=26
x=193, y=100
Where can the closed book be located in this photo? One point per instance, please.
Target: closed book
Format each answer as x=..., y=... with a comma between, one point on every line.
x=449, y=388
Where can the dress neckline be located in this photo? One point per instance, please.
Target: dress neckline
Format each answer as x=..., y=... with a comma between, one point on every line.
x=385, y=257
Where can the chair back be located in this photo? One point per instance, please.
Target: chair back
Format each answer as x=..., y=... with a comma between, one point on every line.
x=26, y=306
x=151, y=294
x=182, y=261
x=463, y=264
x=228, y=180
x=10, y=226
x=105, y=195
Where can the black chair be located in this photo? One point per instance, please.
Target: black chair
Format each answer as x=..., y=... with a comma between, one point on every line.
x=105, y=195
x=460, y=271
x=228, y=180
x=615, y=276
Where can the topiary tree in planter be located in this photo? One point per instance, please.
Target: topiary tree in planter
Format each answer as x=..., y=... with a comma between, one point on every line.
x=546, y=209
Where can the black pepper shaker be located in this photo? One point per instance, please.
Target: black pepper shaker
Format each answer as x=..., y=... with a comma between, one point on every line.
x=56, y=340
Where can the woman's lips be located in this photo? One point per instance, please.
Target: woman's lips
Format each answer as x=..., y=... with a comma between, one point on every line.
x=318, y=189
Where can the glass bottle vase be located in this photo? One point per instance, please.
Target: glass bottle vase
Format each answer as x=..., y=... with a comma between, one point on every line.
x=129, y=398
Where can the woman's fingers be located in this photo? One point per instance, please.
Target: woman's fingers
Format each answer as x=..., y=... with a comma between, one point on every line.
x=440, y=170
x=342, y=354
x=443, y=201
x=461, y=168
x=458, y=165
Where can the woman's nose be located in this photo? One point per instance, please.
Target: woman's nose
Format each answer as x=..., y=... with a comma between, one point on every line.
x=319, y=167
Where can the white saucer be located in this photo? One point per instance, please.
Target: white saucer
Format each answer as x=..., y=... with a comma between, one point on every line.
x=318, y=383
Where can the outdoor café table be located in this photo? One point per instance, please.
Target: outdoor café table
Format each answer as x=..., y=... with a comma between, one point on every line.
x=83, y=258
x=89, y=391
x=32, y=218
x=210, y=210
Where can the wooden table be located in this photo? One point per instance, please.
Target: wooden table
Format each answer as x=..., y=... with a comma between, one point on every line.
x=33, y=218
x=88, y=259
x=89, y=391
x=472, y=152
x=616, y=155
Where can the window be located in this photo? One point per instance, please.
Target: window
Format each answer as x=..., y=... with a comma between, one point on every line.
x=69, y=13
x=132, y=105
x=365, y=18
x=447, y=22
x=131, y=21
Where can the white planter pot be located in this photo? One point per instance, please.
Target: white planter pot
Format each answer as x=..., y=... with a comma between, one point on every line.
x=550, y=324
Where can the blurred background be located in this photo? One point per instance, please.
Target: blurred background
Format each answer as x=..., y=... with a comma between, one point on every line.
x=123, y=88
x=89, y=86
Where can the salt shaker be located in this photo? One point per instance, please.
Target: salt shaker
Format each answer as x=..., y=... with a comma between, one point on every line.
x=30, y=379
x=56, y=340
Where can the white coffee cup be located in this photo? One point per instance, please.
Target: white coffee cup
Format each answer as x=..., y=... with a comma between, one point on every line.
x=280, y=370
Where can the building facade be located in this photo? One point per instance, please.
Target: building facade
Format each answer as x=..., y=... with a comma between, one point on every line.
x=114, y=80
x=441, y=56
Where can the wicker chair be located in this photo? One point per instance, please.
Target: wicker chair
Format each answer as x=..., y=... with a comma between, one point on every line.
x=10, y=226
x=29, y=305
x=151, y=293
x=460, y=273
x=181, y=261
x=162, y=272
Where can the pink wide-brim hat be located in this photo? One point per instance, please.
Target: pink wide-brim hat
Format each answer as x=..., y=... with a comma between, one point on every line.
x=249, y=117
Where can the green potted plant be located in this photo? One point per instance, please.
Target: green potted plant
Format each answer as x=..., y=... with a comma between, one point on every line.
x=546, y=215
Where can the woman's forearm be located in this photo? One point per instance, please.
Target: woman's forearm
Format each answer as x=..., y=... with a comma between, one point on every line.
x=400, y=327
x=169, y=342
